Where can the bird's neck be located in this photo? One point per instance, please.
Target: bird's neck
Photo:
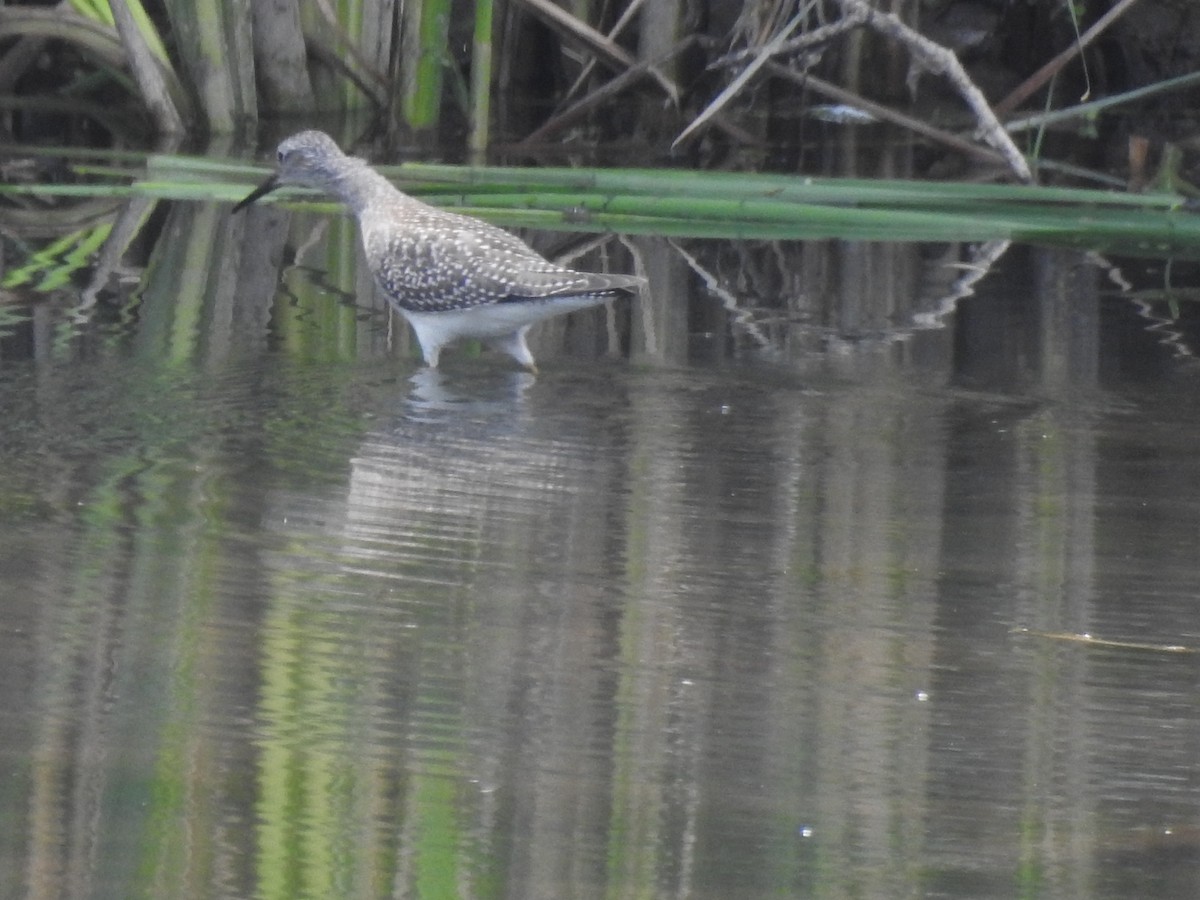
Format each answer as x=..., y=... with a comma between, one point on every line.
x=359, y=186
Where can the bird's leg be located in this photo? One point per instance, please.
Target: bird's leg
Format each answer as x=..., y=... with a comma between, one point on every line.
x=514, y=345
x=431, y=355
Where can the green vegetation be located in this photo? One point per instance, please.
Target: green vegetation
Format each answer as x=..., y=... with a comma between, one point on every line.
x=682, y=203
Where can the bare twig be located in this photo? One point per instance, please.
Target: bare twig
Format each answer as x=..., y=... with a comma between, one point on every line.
x=1050, y=69
x=743, y=77
x=610, y=53
x=585, y=72
x=809, y=39
x=841, y=95
x=1082, y=110
x=610, y=89
x=1090, y=641
x=941, y=61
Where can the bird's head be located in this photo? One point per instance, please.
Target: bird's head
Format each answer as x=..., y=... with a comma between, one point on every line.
x=309, y=159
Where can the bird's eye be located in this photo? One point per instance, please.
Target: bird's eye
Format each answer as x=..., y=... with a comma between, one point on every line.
x=280, y=155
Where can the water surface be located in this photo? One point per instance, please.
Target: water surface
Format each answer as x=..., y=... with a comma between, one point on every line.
x=858, y=594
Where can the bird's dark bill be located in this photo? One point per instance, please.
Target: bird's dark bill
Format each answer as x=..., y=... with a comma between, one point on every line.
x=261, y=191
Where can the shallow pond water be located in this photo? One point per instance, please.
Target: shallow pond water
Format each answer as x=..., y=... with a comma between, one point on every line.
x=884, y=589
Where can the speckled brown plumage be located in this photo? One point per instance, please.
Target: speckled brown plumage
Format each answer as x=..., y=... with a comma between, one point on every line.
x=450, y=275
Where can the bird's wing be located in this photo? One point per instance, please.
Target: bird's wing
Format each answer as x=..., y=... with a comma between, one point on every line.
x=444, y=263
x=582, y=283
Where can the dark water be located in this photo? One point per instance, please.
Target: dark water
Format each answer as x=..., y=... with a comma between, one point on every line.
x=737, y=599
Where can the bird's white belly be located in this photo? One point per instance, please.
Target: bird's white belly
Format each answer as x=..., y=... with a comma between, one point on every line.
x=494, y=320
